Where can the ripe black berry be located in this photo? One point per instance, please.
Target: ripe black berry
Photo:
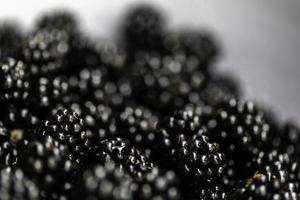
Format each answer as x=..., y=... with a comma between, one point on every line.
x=68, y=128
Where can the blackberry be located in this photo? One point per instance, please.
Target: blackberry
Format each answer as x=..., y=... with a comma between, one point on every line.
x=288, y=139
x=196, y=44
x=266, y=186
x=172, y=131
x=242, y=131
x=95, y=85
x=68, y=128
x=44, y=51
x=220, y=88
x=14, y=83
x=82, y=52
x=130, y=158
x=48, y=92
x=15, y=185
x=99, y=120
x=158, y=184
x=185, y=122
x=171, y=81
x=199, y=159
x=48, y=163
x=114, y=57
x=143, y=27
x=137, y=124
x=10, y=40
x=103, y=182
x=16, y=130
x=58, y=20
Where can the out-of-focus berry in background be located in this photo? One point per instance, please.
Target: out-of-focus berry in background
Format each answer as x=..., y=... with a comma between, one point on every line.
x=260, y=38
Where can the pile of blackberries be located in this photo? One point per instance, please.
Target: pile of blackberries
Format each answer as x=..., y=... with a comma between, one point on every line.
x=147, y=118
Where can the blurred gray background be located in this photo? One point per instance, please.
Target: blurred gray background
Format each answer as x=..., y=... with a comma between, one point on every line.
x=260, y=38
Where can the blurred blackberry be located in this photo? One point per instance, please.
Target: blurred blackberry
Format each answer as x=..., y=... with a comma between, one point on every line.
x=15, y=185
x=103, y=182
x=44, y=51
x=10, y=40
x=47, y=162
x=82, y=53
x=288, y=139
x=142, y=28
x=48, y=92
x=58, y=20
x=68, y=45
x=266, y=186
x=137, y=124
x=114, y=58
x=67, y=127
x=96, y=85
x=220, y=88
x=130, y=158
x=198, y=45
x=17, y=129
x=158, y=184
x=195, y=43
x=242, y=131
x=14, y=83
x=166, y=82
x=8, y=153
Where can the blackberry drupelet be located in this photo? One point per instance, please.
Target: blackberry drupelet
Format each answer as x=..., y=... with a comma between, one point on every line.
x=129, y=157
x=67, y=127
x=157, y=184
x=266, y=187
x=103, y=182
x=15, y=185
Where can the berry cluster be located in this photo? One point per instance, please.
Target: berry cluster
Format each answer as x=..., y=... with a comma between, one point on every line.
x=146, y=118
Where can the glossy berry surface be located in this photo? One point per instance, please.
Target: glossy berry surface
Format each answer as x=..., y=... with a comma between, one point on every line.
x=145, y=117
